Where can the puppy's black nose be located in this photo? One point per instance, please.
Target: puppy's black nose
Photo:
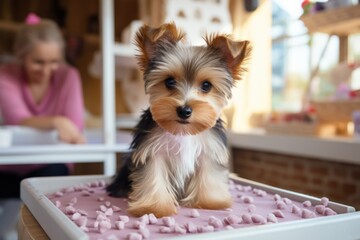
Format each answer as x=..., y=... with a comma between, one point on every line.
x=184, y=112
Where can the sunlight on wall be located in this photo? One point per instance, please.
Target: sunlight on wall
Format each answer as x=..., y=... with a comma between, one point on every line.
x=253, y=94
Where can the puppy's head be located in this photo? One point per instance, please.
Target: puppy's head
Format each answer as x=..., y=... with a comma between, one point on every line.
x=188, y=85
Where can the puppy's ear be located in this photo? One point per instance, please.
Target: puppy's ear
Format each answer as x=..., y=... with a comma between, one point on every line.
x=148, y=39
x=235, y=53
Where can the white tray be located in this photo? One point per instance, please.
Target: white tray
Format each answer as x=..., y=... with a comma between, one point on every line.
x=58, y=226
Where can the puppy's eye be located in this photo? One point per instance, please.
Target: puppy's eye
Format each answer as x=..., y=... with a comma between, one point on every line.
x=170, y=83
x=206, y=86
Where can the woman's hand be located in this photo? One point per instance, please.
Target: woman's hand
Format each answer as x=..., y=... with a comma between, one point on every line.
x=67, y=131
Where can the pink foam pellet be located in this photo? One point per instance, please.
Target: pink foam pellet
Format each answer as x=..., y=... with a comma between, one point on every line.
x=107, y=204
x=271, y=218
x=102, y=208
x=205, y=229
x=93, y=184
x=69, y=190
x=100, y=213
x=262, y=193
x=296, y=210
x=247, y=188
x=152, y=219
x=75, y=216
x=280, y=204
x=287, y=201
x=84, y=228
x=306, y=203
x=163, y=229
x=82, y=212
x=101, y=217
x=134, y=236
x=232, y=219
x=228, y=227
x=57, y=204
x=85, y=193
x=324, y=201
x=96, y=224
x=138, y=225
x=320, y=209
x=70, y=210
x=145, y=232
x=104, y=226
x=168, y=221
x=239, y=195
x=102, y=183
x=258, y=219
x=246, y=218
x=109, y=212
x=239, y=188
x=81, y=221
x=194, y=213
x=124, y=218
x=179, y=229
x=100, y=199
x=215, y=222
x=251, y=208
x=277, y=197
x=247, y=199
x=329, y=212
x=120, y=225
x=145, y=219
x=116, y=208
x=307, y=214
x=228, y=209
x=59, y=194
x=190, y=227
x=278, y=214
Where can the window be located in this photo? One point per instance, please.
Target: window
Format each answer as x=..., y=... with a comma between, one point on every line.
x=295, y=54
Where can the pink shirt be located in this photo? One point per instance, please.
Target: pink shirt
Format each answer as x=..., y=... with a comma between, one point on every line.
x=63, y=98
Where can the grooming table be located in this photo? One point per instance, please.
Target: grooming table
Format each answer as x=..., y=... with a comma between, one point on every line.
x=57, y=225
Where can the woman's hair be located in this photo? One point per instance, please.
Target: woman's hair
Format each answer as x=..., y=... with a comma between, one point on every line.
x=28, y=35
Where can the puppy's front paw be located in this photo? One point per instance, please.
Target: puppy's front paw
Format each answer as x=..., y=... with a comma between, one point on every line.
x=215, y=204
x=158, y=209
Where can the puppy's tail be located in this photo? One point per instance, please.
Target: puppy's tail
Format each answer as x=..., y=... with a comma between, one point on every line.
x=121, y=185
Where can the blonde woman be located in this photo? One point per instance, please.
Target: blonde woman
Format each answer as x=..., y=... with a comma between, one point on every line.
x=42, y=92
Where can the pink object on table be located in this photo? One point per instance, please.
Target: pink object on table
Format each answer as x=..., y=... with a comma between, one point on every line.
x=325, y=201
x=306, y=203
x=271, y=218
x=145, y=232
x=278, y=214
x=215, y=222
x=190, y=227
x=63, y=98
x=135, y=236
x=320, y=209
x=32, y=19
x=258, y=219
x=120, y=225
x=307, y=214
x=246, y=218
x=152, y=219
x=168, y=221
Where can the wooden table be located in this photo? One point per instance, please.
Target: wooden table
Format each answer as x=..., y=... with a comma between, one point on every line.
x=28, y=227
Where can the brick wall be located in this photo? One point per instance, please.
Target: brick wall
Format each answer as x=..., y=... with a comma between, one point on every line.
x=338, y=181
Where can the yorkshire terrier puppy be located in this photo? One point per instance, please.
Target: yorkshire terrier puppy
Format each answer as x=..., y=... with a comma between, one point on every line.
x=179, y=154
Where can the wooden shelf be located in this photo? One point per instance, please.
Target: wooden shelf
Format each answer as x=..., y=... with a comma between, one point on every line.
x=339, y=21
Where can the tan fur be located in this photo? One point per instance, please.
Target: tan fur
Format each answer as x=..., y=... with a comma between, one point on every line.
x=178, y=161
x=152, y=191
x=147, y=37
x=236, y=53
